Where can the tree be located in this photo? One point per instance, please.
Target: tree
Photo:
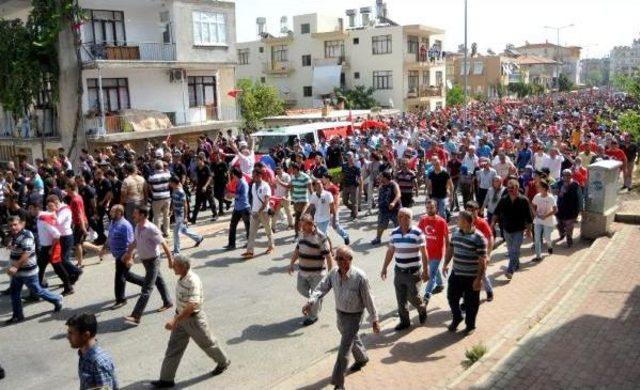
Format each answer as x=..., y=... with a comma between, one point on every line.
x=629, y=84
x=594, y=78
x=520, y=89
x=630, y=122
x=455, y=96
x=564, y=84
x=359, y=98
x=258, y=101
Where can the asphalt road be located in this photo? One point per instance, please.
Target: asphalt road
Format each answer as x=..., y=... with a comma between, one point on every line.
x=253, y=307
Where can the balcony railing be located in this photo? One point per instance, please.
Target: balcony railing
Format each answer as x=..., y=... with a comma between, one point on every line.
x=128, y=52
x=424, y=92
x=277, y=67
x=417, y=59
x=341, y=60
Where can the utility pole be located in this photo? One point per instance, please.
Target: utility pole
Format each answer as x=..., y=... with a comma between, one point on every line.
x=466, y=64
x=558, y=60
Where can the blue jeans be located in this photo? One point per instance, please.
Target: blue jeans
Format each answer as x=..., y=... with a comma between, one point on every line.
x=441, y=205
x=542, y=232
x=181, y=228
x=435, y=277
x=514, y=242
x=33, y=285
x=324, y=228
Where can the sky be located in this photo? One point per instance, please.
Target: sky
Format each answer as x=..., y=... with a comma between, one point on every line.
x=598, y=25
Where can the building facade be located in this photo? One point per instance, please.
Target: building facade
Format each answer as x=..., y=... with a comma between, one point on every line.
x=595, y=72
x=488, y=75
x=148, y=69
x=625, y=60
x=404, y=64
x=567, y=57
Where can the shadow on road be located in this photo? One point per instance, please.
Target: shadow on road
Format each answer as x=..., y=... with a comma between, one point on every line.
x=180, y=385
x=277, y=330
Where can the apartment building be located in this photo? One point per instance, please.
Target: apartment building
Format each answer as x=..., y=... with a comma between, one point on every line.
x=404, y=64
x=625, y=60
x=487, y=74
x=595, y=71
x=149, y=69
x=567, y=57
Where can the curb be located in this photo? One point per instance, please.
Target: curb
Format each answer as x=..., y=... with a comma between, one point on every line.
x=521, y=331
x=631, y=219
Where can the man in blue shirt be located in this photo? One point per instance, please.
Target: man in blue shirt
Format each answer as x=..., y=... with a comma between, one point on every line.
x=241, y=209
x=95, y=367
x=120, y=237
x=524, y=156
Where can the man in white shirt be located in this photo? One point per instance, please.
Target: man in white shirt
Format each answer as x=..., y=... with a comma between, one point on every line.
x=554, y=163
x=322, y=206
x=260, y=193
x=283, y=180
x=65, y=219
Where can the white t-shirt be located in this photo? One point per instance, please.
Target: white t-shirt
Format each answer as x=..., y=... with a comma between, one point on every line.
x=538, y=160
x=322, y=205
x=282, y=191
x=544, y=205
x=246, y=162
x=554, y=165
x=259, y=193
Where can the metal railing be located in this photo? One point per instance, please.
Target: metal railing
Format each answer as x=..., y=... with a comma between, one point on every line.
x=277, y=67
x=128, y=52
x=424, y=91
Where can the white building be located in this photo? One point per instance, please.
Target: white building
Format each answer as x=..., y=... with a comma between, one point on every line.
x=566, y=57
x=149, y=69
x=323, y=52
x=624, y=60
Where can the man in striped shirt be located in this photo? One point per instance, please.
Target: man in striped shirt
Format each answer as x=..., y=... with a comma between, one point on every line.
x=407, y=246
x=160, y=195
x=24, y=270
x=312, y=252
x=468, y=250
x=300, y=188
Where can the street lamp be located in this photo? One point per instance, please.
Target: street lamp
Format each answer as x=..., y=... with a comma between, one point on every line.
x=558, y=28
x=466, y=71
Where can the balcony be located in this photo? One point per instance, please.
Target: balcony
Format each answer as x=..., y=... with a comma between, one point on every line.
x=149, y=52
x=280, y=67
x=423, y=93
x=341, y=60
x=417, y=61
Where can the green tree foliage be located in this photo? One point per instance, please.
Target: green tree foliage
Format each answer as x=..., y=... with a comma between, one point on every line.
x=629, y=84
x=455, y=96
x=359, y=98
x=520, y=89
x=564, y=84
x=630, y=122
x=594, y=78
x=258, y=101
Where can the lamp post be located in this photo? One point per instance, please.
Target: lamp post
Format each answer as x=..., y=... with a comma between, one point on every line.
x=558, y=28
x=466, y=71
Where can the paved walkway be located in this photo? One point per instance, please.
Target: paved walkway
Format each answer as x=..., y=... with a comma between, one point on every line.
x=591, y=339
x=430, y=356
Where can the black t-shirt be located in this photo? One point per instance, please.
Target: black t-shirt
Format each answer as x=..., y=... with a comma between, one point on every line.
x=88, y=194
x=334, y=156
x=439, y=184
x=220, y=176
x=116, y=187
x=103, y=187
x=203, y=174
x=178, y=170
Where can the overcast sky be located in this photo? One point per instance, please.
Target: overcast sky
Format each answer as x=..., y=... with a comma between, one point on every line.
x=598, y=24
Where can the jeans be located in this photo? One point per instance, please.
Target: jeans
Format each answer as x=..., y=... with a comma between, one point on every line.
x=236, y=216
x=462, y=287
x=181, y=228
x=324, y=228
x=514, y=242
x=201, y=198
x=435, y=277
x=350, y=199
x=542, y=232
x=34, y=286
x=441, y=205
x=66, y=246
x=152, y=277
x=122, y=277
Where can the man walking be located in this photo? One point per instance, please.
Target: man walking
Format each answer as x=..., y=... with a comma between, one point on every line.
x=241, y=208
x=160, y=196
x=440, y=187
x=483, y=227
x=180, y=210
x=283, y=180
x=312, y=251
x=351, y=184
x=407, y=246
x=204, y=193
x=147, y=239
x=24, y=270
x=436, y=232
x=95, y=367
x=352, y=296
x=260, y=195
x=468, y=250
x=514, y=212
x=189, y=322
x=300, y=189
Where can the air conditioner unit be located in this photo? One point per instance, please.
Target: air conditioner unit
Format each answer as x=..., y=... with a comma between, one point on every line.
x=176, y=75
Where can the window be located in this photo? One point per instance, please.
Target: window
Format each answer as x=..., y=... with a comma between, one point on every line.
x=333, y=49
x=306, y=60
x=462, y=68
x=243, y=56
x=412, y=45
x=439, y=78
x=381, y=44
x=356, y=75
x=356, y=41
x=414, y=80
x=307, y=91
x=114, y=91
x=280, y=53
x=305, y=28
x=209, y=29
x=263, y=80
x=382, y=79
x=202, y=91
x=261, y=49
x=478, y=67
x=106, y=27
x=426, y=78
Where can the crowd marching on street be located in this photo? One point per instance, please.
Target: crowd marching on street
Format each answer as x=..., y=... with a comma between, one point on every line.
x=496, y=173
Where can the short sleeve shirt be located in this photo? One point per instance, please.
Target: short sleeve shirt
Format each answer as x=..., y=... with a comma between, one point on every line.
x=435, y=230
x=322, y=205
x=189, y=290
x=148, y=238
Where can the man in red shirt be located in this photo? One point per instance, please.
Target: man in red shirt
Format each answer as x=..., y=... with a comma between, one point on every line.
x=618, y=154
x=483, y=227
x=436, y=234
x=79, y=219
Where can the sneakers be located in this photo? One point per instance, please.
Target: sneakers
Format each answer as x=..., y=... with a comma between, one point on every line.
x=57, y=306
x=376, y=241
x=199, y=242
x=508, y=275
x=550, y=251
x=309, y=321
x=402, y=326
x=489, y=296
x=347, y=241
x=422, y=316
x=537, y=259
x=220, y=368
x=160, y=384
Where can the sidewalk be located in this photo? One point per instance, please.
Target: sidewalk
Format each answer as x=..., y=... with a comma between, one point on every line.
x=430, y=356
x=591, y=339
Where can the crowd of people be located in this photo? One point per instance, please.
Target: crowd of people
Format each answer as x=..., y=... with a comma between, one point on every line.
x=500, y=170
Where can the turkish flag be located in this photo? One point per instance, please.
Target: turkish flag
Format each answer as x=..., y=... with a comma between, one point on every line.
x=234, y=93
